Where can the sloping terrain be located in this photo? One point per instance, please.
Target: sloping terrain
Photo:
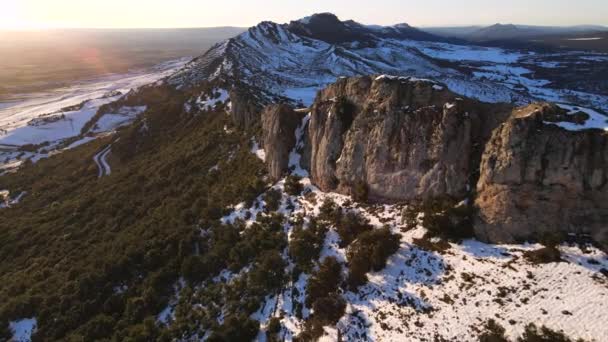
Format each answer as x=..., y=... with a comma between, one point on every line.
x=290, y=62
x=205, y=217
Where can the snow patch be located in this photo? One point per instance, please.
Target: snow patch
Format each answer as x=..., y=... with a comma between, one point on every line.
x=257, y=150
x=23, y=329
x=595, y=120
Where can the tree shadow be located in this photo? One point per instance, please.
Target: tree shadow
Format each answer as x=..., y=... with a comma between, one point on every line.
x=389, y=287
x=479, y=249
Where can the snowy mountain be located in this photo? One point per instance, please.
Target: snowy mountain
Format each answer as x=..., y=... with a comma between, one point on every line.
x=295, y=60
x=290, y=62
x=383, y=207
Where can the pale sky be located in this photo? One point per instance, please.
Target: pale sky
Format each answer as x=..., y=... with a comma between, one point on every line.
x=205, y=13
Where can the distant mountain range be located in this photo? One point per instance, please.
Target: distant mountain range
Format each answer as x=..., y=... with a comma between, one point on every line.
x=510, y=31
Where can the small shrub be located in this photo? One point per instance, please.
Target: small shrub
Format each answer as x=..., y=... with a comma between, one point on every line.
x=330, y=211
x=324, y=281
x=544, y=255
x=236, y=328
x=273, y=329
x=328, y=310
x=350, y=226
x=194, y=269
x=274, y=325
x=306, y=244
x=410, y=217
x=427, y=244
x=443, y=219
x=323, y=297
x=360, y=192
x=268, y=273
x=293, y=186
x=493, y=332
x=272, y=198
x=533, y=334
x=369, y=253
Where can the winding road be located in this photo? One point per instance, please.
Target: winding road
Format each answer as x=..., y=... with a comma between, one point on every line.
x=102, y=163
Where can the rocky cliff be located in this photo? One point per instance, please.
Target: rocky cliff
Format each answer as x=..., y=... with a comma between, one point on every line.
x=538, y=178
x=403, y=139
x=397, y=138
x=279, y=123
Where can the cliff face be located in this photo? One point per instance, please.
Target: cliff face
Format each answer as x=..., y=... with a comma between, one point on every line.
x=279, y=123
x=399, y=138
x=536, y=177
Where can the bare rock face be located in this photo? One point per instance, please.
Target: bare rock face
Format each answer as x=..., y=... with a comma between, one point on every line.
x=400, y=138
x=279, y=123
x=538, y=178
x=244, y=109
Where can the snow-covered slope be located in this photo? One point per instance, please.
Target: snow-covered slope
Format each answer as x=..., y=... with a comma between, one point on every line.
x=294, y=60
x=422, y=294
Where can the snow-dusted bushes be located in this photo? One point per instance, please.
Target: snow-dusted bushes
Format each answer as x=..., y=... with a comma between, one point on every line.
x=272, y=198
x=544, y=334
x=444, y=219
x=306, y=244
x=293, y=187
x=323, y=297
x=325, y=281
x=236, y=328
x=369, y=253
x=493, y=332
x=350, y=226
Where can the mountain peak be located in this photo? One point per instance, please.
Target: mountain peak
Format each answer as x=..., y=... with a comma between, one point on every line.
x=325, y=16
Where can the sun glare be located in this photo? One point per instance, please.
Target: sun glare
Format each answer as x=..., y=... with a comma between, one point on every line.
x=12, y=18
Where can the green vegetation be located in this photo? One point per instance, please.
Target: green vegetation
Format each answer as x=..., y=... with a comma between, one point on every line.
x=443, y=218
x=493, y=332
x=306, y=244
x=543, y=334
x=75, y=238
x=322, y=296
x=370, y=252
x=293, y=186
x=272, y=198
x=350, y=226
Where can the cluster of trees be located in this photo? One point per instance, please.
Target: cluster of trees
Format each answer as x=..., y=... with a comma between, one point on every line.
x=494, y=332
x=306, y=243
x=75, y=239
x=368, y=253
x=323, y=296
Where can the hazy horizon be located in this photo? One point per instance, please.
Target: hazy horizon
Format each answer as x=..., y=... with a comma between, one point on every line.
x=156, y=14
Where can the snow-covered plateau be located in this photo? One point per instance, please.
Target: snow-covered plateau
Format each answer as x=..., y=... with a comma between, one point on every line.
x=47, y=119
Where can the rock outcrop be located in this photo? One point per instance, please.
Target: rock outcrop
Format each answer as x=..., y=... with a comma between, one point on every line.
x=279, y=123
x=538, y=178
x=399, y=138
x=244, y=109
x=403, y=139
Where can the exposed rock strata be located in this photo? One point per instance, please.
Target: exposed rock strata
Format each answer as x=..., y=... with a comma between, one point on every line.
x=279, y=123
x=538, y=178
x=400, y=138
